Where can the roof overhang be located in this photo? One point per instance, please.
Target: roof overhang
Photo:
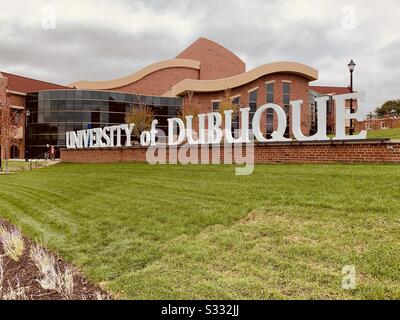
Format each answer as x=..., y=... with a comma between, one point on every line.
x=17, y=107
x=17, y=93
x=120, y=82
x=236, y=81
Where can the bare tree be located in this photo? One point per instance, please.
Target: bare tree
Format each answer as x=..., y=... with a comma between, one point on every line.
x=8, y=125
x=227, y=104
x=189, y=107
x=141, y=115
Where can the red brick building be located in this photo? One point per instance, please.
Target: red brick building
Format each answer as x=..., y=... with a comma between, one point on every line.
x=378, y=124
x=205, y=72
x=13, y=92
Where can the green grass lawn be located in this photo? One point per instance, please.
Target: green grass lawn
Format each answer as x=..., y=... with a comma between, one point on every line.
x=385, y=133
x=192, y=232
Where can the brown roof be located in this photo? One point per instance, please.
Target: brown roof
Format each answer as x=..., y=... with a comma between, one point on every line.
x=330, y=90
x=24, y=84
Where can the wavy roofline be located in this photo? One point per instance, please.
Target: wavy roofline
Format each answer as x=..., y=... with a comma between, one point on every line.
x=243, y=78
x=134, y=77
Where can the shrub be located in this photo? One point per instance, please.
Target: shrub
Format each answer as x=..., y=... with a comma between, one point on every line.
x=53, y=278
x=46, y=265
x=16, y=293
x=1, y=276
x=65, y=283
x=12, y=241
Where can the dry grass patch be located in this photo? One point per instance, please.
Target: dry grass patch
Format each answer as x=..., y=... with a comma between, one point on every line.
x=12, y=241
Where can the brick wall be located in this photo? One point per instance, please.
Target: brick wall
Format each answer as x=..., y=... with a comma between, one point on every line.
x=377, y=124
x=298, y=87
x=215, y=60
x=159, y=82
x=19, y=101
x=369, y=151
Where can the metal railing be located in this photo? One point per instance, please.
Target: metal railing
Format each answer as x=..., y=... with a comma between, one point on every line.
x=35, y=162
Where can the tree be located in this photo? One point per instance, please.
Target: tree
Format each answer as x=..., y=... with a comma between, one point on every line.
x=141, y=115
x=227, y=104
x=390, y=108
x=189, y=107
x=371, y=115
x=8, y=126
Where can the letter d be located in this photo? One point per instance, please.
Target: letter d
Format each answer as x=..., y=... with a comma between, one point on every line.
x=171, y=132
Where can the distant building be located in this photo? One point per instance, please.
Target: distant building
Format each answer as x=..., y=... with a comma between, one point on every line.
x=205, y=69
x=378, y=124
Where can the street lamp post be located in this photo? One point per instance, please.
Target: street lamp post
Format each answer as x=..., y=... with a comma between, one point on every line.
x=351, y=66
x=27, y=115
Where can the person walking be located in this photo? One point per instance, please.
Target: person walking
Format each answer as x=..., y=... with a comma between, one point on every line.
x=47, y=153
x=52, y=153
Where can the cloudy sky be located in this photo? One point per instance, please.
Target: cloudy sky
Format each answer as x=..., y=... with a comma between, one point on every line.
x=65, y=41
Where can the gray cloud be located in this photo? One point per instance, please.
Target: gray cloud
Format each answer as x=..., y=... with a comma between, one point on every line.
x=99, y=40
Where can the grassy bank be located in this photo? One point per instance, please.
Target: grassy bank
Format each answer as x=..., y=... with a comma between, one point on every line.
x=393, y=133
x=286, y=231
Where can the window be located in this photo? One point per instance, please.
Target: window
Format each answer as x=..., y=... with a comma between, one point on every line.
x=95, y=117
x=70, y=94
x=78, y=106
x=269, y=92
x=215, y=106
x=96, y=95
x=87, y=105
x=14, y=152
x=330, y=115
x=269, y=97
x=46, y=116
x=235, y=117
x=69, y=117
x=78, y=95
x=252, y=105
x=54, y=95
x=16, y=117
x=329, y=106
x=96, y=105
x=286, y=93
x=286, y=104
x=121, y=97
x=104, y=96
x=61, y=116
x=149, y=100
x=87, y=95
x=383, y=125
x=53, y=116
x=368, y=126
x=61, y=95
x=69, y=105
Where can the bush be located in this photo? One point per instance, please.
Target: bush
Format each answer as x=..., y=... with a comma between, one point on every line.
x=12, y=241
x=53, y=278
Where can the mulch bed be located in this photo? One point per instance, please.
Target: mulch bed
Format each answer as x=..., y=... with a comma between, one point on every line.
x=25, y=273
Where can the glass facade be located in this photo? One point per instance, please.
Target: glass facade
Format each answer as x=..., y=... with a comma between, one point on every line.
x=52, y=113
